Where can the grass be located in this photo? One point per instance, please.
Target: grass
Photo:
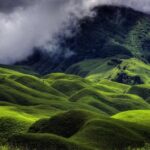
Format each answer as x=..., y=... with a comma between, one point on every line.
x=68, y=111
x=68, y=87
x=141, y=90
x=65, y=124
x=44, y=142
x=10, y=126
x=109, y=103
x=85, y=128
x=112, y=68
x=138, y=116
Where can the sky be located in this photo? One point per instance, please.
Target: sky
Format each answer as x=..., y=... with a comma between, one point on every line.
x=26, y=24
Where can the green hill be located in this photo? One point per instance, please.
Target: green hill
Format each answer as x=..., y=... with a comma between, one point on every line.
x=141, y=90
x=128, y=71
x=85, y=128
x=137, y=116
x=78, y=109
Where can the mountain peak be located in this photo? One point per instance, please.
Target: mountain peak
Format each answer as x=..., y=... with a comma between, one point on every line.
x=112, y=31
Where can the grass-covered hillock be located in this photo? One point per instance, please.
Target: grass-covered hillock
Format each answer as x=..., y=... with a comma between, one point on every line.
x=15, y=92
x=72, y=112
x=109, y=103
x=128, y=71
x=21, y=69
x=68, y=87
x=141, y=90
x=108, y=134
x=141, y=117
x=66, y=124
x=58, y=76
x=86, y=129
x=10, y=126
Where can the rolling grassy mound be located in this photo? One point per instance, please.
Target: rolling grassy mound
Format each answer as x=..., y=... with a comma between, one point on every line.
x=109, y=103
x=10, y=126
x=85, y=128
x=137, y=116
x=65, y=124
x=128, y=71
x=108, y=134
x=72, y=112
x=141, y=90
x=68, y=87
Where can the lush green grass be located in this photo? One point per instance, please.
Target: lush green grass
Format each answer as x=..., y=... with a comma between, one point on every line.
x=115, y=86
x=22, y=69
x=78, y=109
x=68, y=87
x=137, y=116
x=10, y=126
x=129, y=71
x=109, y=103
x=86, y=129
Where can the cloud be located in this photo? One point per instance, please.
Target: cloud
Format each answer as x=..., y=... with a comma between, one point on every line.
x=26, y=24
x=35, y=26
x=8, y=6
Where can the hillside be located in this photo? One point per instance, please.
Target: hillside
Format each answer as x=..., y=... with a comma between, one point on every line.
x=128, y=71
x=113, y=31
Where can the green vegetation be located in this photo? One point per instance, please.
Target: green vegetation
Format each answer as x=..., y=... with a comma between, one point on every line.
x=85, y=128
x=71, y=112
x=127, y=71
x=141, y=90
x=44, y=142
x=138, y=116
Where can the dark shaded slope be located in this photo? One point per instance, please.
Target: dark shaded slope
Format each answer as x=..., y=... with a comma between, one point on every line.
x=104, y=35
x=113, y=31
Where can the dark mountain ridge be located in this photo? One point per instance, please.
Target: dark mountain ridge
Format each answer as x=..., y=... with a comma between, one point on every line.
x=113, y=31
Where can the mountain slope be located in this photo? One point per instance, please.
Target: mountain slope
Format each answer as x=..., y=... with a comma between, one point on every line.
x=128, y=71
x=113, y=31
